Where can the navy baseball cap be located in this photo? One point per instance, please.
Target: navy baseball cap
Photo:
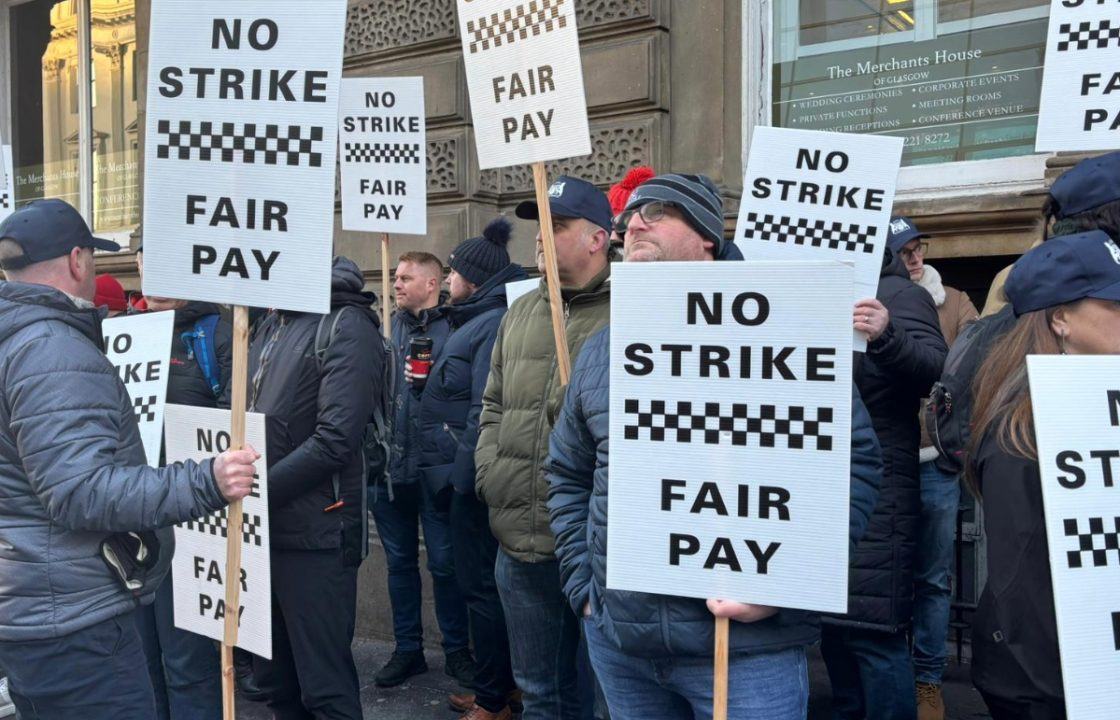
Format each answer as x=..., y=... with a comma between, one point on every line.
x=46, y=229
x=1087, y=185
x=571, y=197
x=1065, y=269
x=901, y=231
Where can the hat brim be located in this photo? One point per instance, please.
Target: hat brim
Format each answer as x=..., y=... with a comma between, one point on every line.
x=103, y=244
x=1108, y=292
x=528, y=210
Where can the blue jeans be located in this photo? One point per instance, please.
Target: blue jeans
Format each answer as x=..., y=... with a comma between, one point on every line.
x=92, y=674
x=398, y=525
x=185, y=668
x=770, y=686
x=870, y=672
x=543, y=638
x=941, y=496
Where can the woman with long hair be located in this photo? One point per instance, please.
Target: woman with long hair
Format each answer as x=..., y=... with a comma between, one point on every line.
x=1066, y=295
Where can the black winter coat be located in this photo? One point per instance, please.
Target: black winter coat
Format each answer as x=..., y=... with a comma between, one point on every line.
x=893, y=376
x=452, y=398
x=317, y=413
x=1014, y=631
x=431, y=323
x=186, y=383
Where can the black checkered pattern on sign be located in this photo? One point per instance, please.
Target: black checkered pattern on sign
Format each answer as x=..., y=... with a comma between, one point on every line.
x=506, y=28
x=1095, y=544
x=144, y=408
x=250, y=143
x=215, y=524
x=1087, y=35
x=383, y=153
x=851, y=237
x=709, y=423
x=5, y=202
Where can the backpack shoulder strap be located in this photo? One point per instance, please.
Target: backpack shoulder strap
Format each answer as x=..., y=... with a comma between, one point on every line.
x=206, y=353
x=325, y=332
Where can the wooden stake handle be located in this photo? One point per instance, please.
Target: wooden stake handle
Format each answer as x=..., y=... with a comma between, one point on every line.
x=719, y=691
x=552, y=274
x=385, y=319
x=238, y=398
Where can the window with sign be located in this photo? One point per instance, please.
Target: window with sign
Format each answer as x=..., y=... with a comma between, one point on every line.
x=958, y=79
x=72, y=92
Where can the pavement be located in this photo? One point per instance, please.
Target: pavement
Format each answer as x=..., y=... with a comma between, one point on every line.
x=424, y=697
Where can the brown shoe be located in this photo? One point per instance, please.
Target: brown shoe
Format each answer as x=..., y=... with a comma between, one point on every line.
x=930, y=704
x=463, y=703
x=480, y=713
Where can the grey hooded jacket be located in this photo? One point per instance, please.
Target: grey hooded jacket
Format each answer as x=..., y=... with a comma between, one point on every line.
x=72, y=470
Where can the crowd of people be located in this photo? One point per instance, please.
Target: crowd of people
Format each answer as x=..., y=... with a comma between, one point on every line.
x=504, y=469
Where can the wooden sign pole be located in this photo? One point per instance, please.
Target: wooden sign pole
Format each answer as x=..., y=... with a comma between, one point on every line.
x=552, y=273
x=719, y=692
x=385, y=314
x=238, y=399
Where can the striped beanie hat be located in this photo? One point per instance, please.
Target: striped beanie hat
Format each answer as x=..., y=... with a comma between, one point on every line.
x=695, y=195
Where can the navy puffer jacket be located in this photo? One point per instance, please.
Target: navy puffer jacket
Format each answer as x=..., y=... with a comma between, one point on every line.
x=452, y=398
x=72, y=471
x=405, y=453
x=642, y=624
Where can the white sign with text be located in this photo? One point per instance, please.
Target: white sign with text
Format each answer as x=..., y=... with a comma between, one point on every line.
x=139, y=346
x=525, y=79
x=730, y=426
x=242, y=123
x=384, y=155
x=1076, y=403
x=199, y=567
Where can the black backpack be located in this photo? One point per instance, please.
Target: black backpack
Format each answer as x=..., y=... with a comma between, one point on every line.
x=379, y=432
x=948, y=413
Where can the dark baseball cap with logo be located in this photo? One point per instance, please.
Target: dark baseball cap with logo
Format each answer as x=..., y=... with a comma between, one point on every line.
x=901, y=231
x=571, y=197
x=46, y=229
x=1065, y=269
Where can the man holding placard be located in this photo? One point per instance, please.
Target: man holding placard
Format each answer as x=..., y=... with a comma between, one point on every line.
x=653, y=654
x=83, y=502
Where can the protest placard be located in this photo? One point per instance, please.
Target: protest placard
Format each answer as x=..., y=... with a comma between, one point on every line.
x=198, y=569
x=817, y=196
x=1077, y=426
x=525, y=80
x=384, y=155
x=1079, y=108
x=242, y=122
x=730, y=424
x=139, y=346
x=8, y=190
x=519, y=288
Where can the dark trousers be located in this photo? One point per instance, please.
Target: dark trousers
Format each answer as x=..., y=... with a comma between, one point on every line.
x=1002, y=708
x=544, y=638
x=870, y=672
x=398, y=525
x=94, y=674
x=185, y=667
x=475, y=551
x=312, y=673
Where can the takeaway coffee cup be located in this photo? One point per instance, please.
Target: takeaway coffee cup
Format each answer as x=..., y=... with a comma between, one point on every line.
x=420, y=360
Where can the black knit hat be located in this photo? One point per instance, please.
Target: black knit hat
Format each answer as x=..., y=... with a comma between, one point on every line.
x=696, y=196
x=478, y=259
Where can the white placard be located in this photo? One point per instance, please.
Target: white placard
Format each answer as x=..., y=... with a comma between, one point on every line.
x=384, y=155
x=199, y=567
x=1079, y=108
x=8, y=189
x=1077, y=424
x=754, y=506
x=139, y=346
x=525, y=80
x=519, y=288
x=816, y=196
x=240, y=151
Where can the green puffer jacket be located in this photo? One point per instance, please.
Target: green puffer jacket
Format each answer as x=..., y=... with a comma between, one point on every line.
x=522, y=398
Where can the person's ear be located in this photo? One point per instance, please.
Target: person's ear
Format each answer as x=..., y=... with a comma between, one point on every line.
x=77, y=264
x=1059, y=322
x=598, y=241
